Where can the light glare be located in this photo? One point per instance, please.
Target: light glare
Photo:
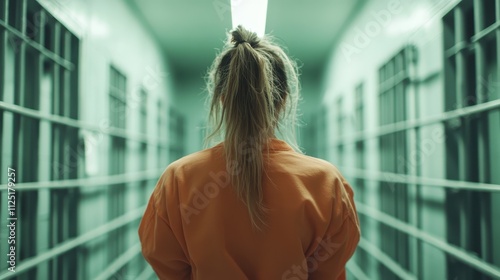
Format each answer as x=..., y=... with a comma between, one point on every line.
x=251, y=14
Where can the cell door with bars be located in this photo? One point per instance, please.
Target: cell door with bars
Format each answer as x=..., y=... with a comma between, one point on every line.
x=39, y=133
x=472, y=88
x=393, y=85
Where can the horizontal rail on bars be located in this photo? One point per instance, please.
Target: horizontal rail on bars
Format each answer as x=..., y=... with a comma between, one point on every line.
x=457, y=48
x=44, y=51
x=485, y=32
x=386, y=260
x=104, y=129
x=59, y=249
x=452, y=250
x=355, y=270
x=119, y=263
x=406, y=125
x=95, y=181
x=410, y=179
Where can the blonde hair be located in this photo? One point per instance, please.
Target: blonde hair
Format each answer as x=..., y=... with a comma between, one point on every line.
x=253, y=93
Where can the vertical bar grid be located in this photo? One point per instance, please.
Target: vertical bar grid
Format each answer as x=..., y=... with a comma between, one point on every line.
x=28, y=20
x=160, y=131
x=23, y=129
x=340, y=130
x=3, y=57
x=393, y=83
x=482, y=226
x=494, y=91
x=3, y=34
x=362, y=257
x=116, y=195
x=176, y=134
x=474, y=139
x=454, y=199
x=39, y=53
x=143, y=108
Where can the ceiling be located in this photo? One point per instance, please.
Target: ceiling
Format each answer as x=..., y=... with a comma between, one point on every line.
x=191, y=31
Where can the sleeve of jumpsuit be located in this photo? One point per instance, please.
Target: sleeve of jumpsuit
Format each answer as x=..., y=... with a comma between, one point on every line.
x=160, y=247
x=341, y=238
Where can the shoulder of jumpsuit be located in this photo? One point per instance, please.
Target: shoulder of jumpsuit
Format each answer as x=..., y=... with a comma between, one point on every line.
x=190, y=165
x=173, y=179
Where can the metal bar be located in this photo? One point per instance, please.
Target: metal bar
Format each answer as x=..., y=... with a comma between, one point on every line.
x=121, y=221
x=57, y=96
x=351, y=267
x=104, y=128
x=406, y=125
x=24, y=16
x=97, y=181
x=454, y=219
x=3, y=41
x=19, y=85
x=438, y=11
x=497, y=16
x=386, y=100
x=68, y=95
x=479, y=51
x=459, y=59
x=54, y=57
x=414, y=212
x=395, y=79
x=6, y=11
x=454, y=251
x=420, y=181
x=483, y=238
x=485, y=32
x=459, y=47
x=119, y=263
x=383, y=258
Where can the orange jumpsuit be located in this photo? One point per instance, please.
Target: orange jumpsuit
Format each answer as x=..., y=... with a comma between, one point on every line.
x=195, y=227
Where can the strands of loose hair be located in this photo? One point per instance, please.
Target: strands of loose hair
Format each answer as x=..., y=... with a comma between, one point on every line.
x=253, y=93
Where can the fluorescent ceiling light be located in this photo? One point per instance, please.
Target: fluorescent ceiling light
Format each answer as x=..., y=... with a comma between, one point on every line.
x=251, y=14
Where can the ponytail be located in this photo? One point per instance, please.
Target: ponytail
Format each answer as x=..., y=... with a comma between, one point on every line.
x=250, y=86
